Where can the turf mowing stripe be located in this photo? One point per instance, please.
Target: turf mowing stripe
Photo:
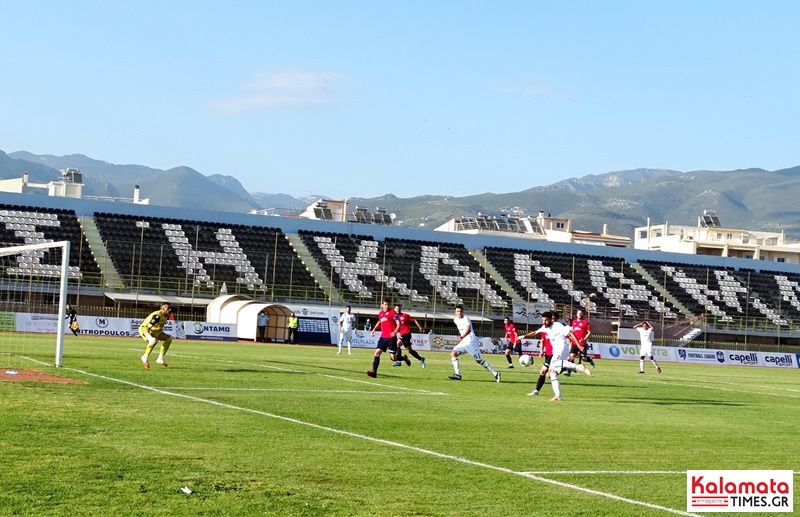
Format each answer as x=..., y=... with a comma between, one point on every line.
x=750, y=392
x=336, y=377
x=761, y=385
x=381, y=441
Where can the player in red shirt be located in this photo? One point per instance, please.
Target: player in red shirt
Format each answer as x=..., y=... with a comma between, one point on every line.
x=404, y=337
x=513, y=342
x=389, y=325
x=582, y=329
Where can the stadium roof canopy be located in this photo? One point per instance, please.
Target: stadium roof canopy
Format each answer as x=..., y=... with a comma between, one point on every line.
x=153, y=298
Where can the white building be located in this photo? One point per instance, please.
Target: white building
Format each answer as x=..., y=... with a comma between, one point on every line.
x=709, y=237
x=70, y=185
x=546, y=228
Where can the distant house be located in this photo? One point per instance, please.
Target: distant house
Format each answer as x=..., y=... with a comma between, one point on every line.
x=70, y=185
x=334, y=210
x=541, y=227
x=709, y=237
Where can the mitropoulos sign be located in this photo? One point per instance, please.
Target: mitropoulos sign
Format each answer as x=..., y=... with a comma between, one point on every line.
x=739, y=491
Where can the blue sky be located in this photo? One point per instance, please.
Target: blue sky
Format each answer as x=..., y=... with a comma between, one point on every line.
x=360, y=99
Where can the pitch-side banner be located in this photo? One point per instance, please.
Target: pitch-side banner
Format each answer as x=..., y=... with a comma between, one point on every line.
x=39, y=323
x=89, y=325
x=445, y=343
x=529, y=313
x=701, y=356
x=205, y=331
x=364, y=339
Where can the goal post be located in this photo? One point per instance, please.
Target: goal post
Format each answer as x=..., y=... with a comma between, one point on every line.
x=29, y=265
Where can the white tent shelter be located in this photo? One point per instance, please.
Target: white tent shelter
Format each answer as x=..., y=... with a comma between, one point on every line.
x=243, y=311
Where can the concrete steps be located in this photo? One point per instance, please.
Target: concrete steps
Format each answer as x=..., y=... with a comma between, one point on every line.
x=323, y=281
x=496, y=276
x=660, y=289
x=111, y=278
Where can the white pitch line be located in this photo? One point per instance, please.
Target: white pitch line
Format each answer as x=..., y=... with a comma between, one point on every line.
x=582, y=472
x=384, y=442
x=360, y=392
x=336, y=377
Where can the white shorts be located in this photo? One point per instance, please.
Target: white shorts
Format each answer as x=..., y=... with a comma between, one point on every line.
x=646, y=350
x=346, y=335
x=469, y=345
x=557, y=365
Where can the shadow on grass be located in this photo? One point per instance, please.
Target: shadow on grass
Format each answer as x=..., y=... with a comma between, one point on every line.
x=247, y=370
x=681, y=402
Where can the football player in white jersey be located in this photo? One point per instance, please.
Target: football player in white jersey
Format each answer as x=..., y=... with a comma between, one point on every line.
x=645, y=330
x=558, y=333
x=468, y=344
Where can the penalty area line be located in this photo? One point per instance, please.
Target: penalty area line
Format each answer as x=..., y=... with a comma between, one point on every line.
x=381, y=441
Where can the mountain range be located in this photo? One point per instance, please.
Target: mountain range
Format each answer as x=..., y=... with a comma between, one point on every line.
x=753, y=199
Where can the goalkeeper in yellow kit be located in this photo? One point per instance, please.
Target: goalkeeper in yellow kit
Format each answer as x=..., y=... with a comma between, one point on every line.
x=151, y=331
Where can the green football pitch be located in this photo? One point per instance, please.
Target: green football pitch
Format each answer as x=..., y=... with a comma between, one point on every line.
x=298, y=430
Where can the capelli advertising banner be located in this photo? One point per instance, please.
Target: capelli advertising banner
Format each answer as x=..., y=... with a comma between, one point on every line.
x=700, y=356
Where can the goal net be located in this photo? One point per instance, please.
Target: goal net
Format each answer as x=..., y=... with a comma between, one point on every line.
x=33, y=295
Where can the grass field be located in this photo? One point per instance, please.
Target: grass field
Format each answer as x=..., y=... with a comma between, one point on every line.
x=297, y=430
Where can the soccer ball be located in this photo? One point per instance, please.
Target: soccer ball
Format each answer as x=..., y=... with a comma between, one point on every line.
x=525, y=360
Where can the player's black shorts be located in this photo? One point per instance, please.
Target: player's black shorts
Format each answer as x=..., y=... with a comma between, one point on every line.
x=406, y=338
x=547, y=360
x=575, y=349
x=516, y=347
x=389, y=343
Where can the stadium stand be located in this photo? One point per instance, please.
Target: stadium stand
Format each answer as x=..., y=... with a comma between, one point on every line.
x=168, y=251
x=565, y=279
x=36, y=225
x=366, y=269
x=147, y=250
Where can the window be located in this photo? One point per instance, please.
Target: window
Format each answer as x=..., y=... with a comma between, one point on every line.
x=658, y=233
x=780, y=259
x=560, y=226
x=643, y=234
x=719, y=235
x=729, y=236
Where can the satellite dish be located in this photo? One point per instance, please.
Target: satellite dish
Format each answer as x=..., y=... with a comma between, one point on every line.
x=393, y=216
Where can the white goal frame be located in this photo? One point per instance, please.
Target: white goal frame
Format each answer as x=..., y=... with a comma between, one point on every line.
x=62, y=290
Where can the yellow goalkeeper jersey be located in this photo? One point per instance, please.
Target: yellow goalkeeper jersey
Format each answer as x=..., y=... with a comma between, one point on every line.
x=155, y=321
